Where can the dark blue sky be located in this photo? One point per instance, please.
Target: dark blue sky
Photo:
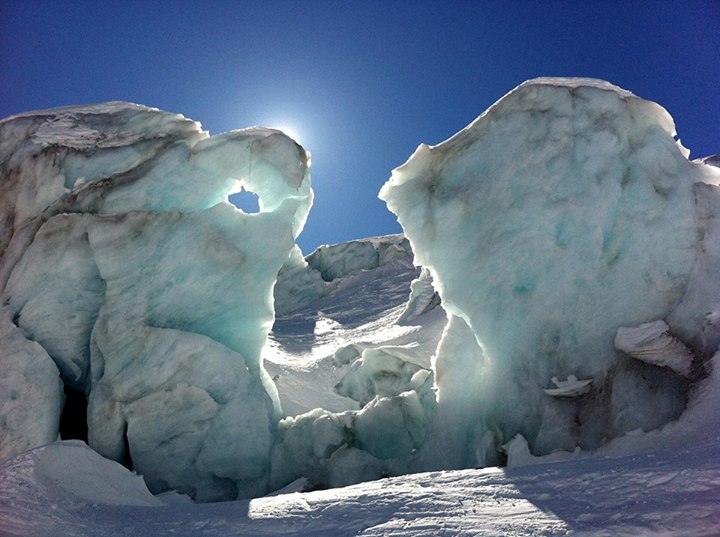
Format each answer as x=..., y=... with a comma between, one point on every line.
x=361, y=83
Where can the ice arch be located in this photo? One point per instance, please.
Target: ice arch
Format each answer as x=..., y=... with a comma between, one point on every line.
x=245, y=200
x=149, y=292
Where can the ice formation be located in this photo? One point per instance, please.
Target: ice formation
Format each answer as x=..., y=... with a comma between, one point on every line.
x=563, y=213
x=568, y=299
x=123, y=262
x=423, y=298
x=344, y=351
x=30, y=392
x=305, y=280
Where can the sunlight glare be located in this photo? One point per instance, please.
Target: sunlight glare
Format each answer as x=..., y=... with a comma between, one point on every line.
x=290, y=130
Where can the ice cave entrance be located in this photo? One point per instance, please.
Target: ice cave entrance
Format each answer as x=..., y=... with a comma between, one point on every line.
x=73, y=420
x=245, y=200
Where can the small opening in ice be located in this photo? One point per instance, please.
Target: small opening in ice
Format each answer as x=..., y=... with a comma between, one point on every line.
x=126, y=459
x=73, y=420
x=246, y=201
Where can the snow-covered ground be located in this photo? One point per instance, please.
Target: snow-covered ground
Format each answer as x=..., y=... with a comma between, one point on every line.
x=668, y=493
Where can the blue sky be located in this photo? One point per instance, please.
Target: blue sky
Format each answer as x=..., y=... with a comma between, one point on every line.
x=360, y=83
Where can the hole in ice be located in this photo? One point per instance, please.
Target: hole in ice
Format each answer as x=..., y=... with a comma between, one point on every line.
x=246, y=201
x=73, y=420
x=126, y=458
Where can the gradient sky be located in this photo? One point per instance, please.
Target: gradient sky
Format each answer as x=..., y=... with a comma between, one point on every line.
x=361, y=83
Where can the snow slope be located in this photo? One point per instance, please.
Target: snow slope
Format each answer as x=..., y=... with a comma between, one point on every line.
x=669, y=493
x=311, y=347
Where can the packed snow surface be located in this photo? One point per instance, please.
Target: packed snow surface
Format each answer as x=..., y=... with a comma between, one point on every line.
x=668, y=493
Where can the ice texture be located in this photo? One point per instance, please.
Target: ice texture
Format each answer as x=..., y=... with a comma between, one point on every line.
x=31, y=392
x=123, y=262
x=302, y=281
x=564, y=212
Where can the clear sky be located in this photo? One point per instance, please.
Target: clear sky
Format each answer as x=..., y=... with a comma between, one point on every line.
x=360, y=83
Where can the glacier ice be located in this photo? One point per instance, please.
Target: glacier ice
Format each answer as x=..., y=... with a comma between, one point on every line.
x=31, y=392
x=297, y=284
x=423, y=298
x=124, y=262
x=383, y=372
x=564, y=212
x=302, y=281
x=340, y=260
x=568, y=250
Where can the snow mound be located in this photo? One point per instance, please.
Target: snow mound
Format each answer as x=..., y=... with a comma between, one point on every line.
x=564, y=212
x=77, y=470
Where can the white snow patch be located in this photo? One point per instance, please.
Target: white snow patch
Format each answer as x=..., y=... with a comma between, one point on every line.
x=572, y=387
x=653, y=343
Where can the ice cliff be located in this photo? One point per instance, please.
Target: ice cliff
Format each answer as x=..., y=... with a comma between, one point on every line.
x=124, y=268
x=562, y=214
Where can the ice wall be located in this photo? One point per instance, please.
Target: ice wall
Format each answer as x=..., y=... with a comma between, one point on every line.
x=564, y=212
x=121, y=259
